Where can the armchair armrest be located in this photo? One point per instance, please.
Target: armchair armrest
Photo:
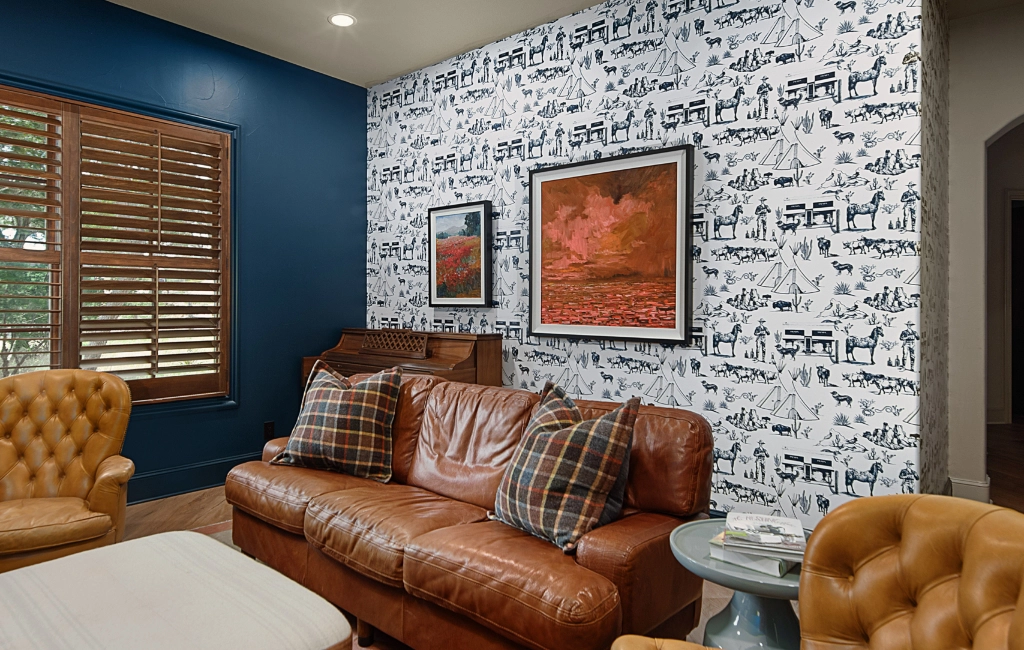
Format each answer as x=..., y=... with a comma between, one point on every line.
x=109, y=494
x=634, y=553
x=631, y=642
x=273, y=448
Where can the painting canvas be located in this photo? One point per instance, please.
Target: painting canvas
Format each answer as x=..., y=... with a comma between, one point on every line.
x=460, y=260
x=607, y=247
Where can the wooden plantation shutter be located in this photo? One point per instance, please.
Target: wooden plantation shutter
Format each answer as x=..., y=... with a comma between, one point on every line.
x=146, y=262
x=31, y=215
x=152, y=224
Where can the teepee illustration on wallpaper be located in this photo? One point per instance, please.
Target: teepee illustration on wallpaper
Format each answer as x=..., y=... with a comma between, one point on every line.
x=805, y=119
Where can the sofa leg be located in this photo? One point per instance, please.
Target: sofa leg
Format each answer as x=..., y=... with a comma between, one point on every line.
x=364, y=633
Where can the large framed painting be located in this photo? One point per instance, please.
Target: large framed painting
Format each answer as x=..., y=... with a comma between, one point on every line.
x=609, y=247
x=459, y=243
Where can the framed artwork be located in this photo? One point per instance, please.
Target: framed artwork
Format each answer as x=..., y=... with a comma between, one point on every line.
x=609, y=247
x=459, y=245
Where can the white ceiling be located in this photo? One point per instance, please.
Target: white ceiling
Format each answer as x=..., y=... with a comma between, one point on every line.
x=961, y=8
x=391, y=37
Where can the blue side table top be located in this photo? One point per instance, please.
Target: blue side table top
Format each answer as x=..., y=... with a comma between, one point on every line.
x=691, y=545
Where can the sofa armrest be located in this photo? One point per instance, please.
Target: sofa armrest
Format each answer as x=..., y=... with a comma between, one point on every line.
x=273, y=448
x=630, y=642
x=109, y=494
x=634, y=553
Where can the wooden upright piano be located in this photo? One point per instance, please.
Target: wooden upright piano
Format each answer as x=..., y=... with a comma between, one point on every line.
x=470, y=358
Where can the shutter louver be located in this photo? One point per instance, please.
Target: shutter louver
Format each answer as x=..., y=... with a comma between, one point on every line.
x=152, y=301
x=114, y=256
x=31, y=141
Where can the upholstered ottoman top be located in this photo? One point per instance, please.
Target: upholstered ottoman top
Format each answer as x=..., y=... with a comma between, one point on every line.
x=172, y=591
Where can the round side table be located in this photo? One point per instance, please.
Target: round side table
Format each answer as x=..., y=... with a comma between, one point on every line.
x=759, y=614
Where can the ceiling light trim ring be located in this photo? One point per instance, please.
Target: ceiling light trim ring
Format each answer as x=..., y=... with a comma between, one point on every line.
x=342, y=20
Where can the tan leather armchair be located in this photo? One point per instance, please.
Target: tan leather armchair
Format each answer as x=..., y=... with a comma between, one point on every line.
x=63, y=486
x=907, y=572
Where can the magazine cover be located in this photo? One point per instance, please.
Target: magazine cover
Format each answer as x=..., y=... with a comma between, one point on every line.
x=744, y=528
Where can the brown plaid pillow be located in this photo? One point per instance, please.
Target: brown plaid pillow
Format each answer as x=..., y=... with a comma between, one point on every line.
x=560, y=482
x=343, y=427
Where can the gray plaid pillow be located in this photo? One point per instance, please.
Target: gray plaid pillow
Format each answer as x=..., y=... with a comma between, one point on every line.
x=561, y=478
x=344, y=427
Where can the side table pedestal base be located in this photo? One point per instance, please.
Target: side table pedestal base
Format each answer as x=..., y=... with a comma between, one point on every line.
x=752, y=622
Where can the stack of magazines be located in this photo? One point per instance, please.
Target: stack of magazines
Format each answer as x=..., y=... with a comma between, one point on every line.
x=770, y=545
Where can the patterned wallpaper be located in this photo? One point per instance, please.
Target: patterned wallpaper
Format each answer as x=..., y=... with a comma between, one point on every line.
x=806, y=119
x=935, y=249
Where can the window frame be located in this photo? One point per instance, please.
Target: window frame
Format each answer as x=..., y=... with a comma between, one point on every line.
x=159, y=394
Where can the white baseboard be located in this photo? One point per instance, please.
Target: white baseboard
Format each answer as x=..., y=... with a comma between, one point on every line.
x=970, y=489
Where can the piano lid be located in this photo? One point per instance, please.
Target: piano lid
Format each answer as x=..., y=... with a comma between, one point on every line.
x=442, y=350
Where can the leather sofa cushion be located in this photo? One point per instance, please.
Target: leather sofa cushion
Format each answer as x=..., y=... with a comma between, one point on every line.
x=368, y=529
x=33, y=524
x=671, y=460
x=515, y=584
x=279, y=494
x=469, y=435
x=405, y=430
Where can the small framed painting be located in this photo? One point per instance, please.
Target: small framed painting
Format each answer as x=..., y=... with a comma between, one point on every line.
x=609, y=247
x=459, y=241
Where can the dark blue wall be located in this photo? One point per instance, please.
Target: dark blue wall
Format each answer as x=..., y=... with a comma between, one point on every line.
x=300, y=207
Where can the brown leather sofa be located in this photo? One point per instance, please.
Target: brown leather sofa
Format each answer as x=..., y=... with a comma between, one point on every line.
x=418, y=559
x=905, y=572
x=63, y=486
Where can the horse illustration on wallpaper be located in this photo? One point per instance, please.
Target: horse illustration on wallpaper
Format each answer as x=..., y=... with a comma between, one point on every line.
x=806, y=207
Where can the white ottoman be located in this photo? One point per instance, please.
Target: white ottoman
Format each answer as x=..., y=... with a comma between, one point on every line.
x=173, y=591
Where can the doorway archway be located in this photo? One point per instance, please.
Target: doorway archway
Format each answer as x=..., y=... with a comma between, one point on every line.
x=1005, y=315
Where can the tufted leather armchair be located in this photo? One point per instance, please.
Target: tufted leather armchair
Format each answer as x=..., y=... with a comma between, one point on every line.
x=63, y=486
x=906, y=572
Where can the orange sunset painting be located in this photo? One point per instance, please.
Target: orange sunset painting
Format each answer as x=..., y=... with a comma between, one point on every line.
x=608, y=249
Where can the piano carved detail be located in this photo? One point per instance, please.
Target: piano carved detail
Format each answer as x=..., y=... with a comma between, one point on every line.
x=470, y=358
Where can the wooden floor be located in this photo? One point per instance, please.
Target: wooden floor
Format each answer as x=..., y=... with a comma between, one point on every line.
x=182, y=512
x=1005, y=465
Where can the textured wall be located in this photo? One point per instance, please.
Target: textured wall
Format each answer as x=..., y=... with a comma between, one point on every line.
x=935, y=250
x=808, y=168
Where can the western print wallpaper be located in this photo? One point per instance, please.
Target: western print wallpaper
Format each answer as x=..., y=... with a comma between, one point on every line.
x=805, y=115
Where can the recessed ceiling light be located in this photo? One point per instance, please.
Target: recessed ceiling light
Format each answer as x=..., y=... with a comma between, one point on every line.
x=342, y=20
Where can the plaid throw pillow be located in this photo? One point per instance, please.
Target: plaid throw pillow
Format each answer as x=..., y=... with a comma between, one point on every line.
x=343, y=427
x=567, y=476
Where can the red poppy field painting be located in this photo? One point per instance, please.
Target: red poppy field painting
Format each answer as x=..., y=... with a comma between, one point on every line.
x=458, y=266
x=609, y=249
x=459, y=260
